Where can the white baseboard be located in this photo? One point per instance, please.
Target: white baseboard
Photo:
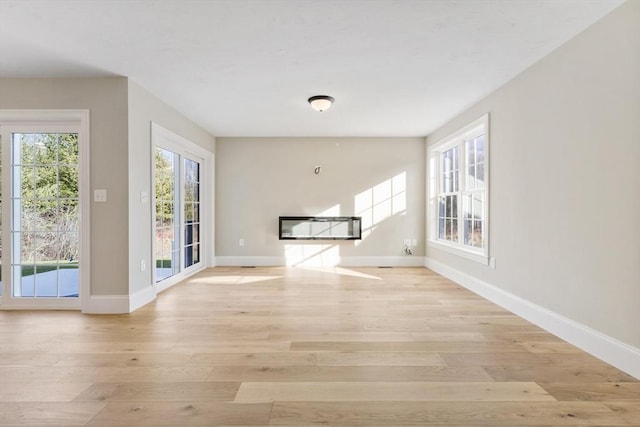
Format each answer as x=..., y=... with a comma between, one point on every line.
x=107, y=304
x=119, y=304
x=245, y=261
x=616, y=353
x=141, y=298
x=382, y=261
x=42, y=304
x=355, y=261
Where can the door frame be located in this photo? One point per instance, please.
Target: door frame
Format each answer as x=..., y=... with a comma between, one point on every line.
x=166, y=139
x=14, y=121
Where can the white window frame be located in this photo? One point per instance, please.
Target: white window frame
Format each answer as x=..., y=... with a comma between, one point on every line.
x=459, y=138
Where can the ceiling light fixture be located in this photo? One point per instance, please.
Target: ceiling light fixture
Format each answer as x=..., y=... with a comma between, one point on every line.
x=321, y=102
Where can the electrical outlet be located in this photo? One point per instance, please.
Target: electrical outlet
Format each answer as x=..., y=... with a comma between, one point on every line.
x=241, y=242
x=100, y=196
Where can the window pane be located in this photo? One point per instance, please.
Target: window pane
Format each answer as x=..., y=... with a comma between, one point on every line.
x=196, y=212
x=477, y=207
x=478, y=240
x=24, y=150
x=480, y=176
x=454, y=230
x=476, y=237
x=68, y=149
x=480, y=149
x=449, y=171
x=470, y=152
x=471, y=179
x=188, y=234
x=468, y=227
x=45, y=218
x=27, y=283
x=27, y=179
x=167, y=214
x=472, y=217
x=46, y=149
x=68, y=176
x=46, y=182
x=69, y=249
x=68, y=219
x=454, y=157
x=196, y=233
x=46, y=281
x=445, y=167
x=196, y=253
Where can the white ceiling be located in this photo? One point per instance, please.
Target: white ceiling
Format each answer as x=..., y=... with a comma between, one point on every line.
x=247, y=67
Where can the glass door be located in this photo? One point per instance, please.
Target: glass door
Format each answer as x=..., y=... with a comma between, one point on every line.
x=177, y=213
x=43, y=218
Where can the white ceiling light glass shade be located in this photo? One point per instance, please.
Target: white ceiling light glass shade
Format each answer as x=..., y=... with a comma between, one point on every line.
x=321, y=102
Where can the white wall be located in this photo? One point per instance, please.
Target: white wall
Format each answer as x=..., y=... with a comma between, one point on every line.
x=565, y=180
x=260, y=179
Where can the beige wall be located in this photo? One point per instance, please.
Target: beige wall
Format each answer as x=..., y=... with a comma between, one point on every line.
x=565, y=179
x=259, y=179
x=145, y=108
x=106, y=98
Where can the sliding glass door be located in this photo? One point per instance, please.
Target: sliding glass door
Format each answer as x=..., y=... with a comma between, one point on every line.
x=178, y=210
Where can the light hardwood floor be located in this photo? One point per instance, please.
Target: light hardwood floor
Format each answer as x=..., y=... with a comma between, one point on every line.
x=297, y=347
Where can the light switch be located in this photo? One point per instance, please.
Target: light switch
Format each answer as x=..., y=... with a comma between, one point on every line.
x=100, y=196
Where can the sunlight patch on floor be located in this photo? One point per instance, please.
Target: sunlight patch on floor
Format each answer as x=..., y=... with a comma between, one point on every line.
x=232, y=280
x=340, y=270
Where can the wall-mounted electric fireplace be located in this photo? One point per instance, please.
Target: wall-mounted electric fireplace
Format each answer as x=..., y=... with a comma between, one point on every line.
x=320, y=228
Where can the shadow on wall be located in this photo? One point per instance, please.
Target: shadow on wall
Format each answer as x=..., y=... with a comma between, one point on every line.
x=375, y=205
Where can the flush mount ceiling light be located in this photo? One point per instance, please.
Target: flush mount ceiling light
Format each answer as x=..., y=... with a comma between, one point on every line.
x=321, y=102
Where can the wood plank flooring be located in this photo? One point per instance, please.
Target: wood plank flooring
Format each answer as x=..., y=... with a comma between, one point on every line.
x=300, y=347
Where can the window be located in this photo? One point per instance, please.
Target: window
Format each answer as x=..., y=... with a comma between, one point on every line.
x=458, y=190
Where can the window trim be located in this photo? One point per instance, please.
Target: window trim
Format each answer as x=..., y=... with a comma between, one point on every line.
x=458, y=138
